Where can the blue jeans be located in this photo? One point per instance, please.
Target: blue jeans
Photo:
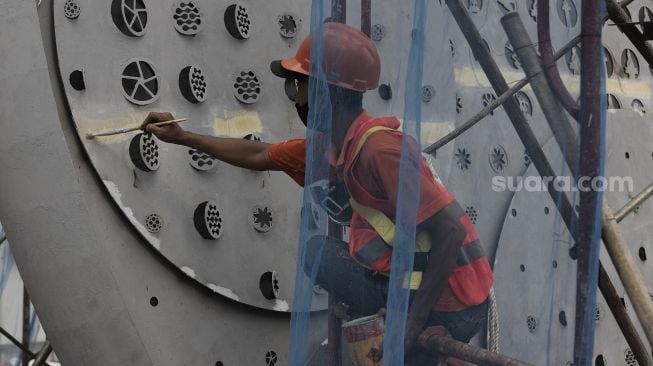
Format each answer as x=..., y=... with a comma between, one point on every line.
x=365, y=291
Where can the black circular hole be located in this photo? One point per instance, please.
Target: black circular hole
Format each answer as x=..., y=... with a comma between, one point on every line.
x=599, y=361
x=514, y=212
x=385, y=91
x=642, y=253
x=555, y=264
x=623, y=301
x=77, y=80
x=522, y=268
x=562, y=317
x=546, y=210
x=627, y=155
x=219, y=363
x=154, y=301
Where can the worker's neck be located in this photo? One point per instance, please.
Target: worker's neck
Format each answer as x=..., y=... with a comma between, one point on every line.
x=342, y=120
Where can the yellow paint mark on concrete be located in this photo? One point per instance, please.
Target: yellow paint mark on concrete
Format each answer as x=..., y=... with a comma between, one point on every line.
x=91, y=125
x=467, y=76
x=237, y=124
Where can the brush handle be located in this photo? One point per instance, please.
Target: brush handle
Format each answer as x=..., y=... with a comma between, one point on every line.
x=130, y=129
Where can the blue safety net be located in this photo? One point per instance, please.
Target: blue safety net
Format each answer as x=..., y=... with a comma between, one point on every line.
x=427, y=76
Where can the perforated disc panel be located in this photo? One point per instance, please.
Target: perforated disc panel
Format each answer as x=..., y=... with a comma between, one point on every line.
x=224, y=226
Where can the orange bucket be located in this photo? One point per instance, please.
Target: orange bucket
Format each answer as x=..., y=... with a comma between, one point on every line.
x=365, y=339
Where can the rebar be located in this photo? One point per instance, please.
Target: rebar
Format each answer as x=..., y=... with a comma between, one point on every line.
x=16, y=342
x=43, y=354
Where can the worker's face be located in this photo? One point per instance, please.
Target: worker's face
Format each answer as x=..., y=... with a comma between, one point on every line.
x=301, y=99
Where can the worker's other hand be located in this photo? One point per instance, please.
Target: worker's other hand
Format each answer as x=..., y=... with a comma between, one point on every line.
x=171, y=133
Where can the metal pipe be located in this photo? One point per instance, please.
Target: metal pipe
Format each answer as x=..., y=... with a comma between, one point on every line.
x=339, y=11
x=548, y=61
x=532, y=65
x=26, y=327
x=16, y=342
x=634, y=203
x=617, y=14
x=628, y=272
x=434, y=343
x=623, y=320
x=492, y=106
x=43, y=354
x=591, y=166
x=366, y=17
x=334, y=325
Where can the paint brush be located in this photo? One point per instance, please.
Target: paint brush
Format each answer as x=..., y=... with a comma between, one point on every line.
x=130, y=129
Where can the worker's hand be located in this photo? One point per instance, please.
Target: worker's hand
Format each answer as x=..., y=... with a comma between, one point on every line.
x=171, y=133
x=412, y=333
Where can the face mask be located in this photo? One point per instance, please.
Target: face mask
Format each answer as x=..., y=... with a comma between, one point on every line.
x=302, y=111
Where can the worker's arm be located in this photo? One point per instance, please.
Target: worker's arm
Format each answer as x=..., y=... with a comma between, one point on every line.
x=242, y=153
x=447, y=234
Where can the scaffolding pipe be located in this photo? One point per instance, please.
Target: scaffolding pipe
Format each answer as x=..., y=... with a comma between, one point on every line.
x=366, y=17
x=26, y=327
x=43, y=354
x=619, y=16
x=434, y=343
x=16, y=342
x=339, y=11
x=628, y=272
x=549, y=62
x=623, y=320
x=532, y=65
x=633, y=204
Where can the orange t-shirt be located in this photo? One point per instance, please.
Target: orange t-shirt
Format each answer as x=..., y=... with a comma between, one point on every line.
x=290, y=157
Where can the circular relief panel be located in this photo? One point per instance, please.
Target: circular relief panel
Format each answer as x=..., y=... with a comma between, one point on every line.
x=488, y=98
x=130, y=16
x=192, y=84
x=525, y=104
x=378, y=32
x=187, y=18
x=144, y=152
x=613, y=102
x=269, y=285
x=252, y=137
x=573, y=60
x=498, y=159
x=288, y=25
x=270, y=358
x=71, y=9
x=630, y=64
x=511, y=56
x=507, y=6
x=474, y=6
x=237, y=21
x=567, y=13
x=638, y=106
x=472, y=214
x=247, y=87
x=531, y=322
x=201, y=161
x=153, y=223
x=463, y=159
x=459, y=103
x=261, y=218
x=609, y=62
x=428, y=92
x=140, y=81
x=208, y=221
x=645, y=15
x=532, y=9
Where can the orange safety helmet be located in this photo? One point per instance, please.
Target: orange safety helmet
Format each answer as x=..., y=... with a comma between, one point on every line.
x=350, y=59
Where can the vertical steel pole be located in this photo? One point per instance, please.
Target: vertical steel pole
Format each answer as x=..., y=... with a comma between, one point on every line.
x=366, y=17
x=339, y=11
x=589, y=225
x=26, y=356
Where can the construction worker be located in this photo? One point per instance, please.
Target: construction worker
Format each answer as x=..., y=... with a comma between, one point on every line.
x=452, y=276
